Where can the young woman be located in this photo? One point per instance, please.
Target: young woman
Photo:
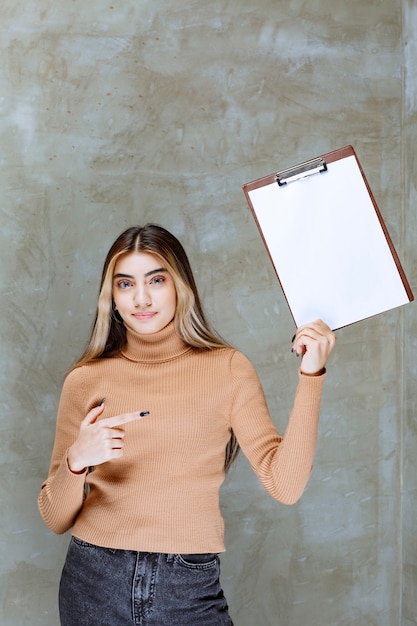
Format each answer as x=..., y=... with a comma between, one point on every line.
x=149, y=420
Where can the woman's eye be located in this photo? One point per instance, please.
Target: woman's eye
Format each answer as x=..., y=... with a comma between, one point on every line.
x=124, y=284
x=157, y=280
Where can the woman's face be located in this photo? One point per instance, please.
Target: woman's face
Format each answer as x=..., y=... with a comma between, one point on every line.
x=143, y=292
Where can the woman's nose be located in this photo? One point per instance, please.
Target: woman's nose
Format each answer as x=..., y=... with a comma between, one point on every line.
x=141, y=297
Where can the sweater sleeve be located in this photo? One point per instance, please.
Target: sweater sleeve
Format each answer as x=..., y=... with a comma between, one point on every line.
x=62, y=494
x=282, y=464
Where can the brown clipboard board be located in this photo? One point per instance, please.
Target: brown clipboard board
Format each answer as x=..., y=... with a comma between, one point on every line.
x=327, y=241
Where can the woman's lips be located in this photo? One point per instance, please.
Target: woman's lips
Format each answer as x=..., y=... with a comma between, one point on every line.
x=144, y=316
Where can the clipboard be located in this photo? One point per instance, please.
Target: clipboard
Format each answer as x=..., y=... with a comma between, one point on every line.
x=327, y=241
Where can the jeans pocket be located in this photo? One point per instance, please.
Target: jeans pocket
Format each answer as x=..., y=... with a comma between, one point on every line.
x=197, y=561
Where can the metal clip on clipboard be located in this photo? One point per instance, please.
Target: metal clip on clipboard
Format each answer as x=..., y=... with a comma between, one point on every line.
x=315, y=166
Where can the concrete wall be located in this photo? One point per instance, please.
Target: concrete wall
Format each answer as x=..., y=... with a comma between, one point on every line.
x=120, y=113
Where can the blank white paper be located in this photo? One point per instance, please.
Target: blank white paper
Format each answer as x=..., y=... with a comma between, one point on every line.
x=328, y=246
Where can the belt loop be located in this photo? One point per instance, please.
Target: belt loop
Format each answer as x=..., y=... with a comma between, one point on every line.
x=170, y=558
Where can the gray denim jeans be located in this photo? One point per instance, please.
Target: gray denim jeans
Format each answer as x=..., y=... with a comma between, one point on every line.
x=105, y=587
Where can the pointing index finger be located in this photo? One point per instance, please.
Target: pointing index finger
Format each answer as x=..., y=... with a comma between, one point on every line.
x=125, y=418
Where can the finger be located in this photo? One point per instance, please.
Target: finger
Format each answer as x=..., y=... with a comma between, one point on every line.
x=113, y=443
x=116, y=432
x=310, y=343
x=304, y=338
x=92, y=415
x=317, y=327
x=119, y=420
x=117, y=444
x=316, y=330
x=116, y=441
x=316, y=341
x=319, y=331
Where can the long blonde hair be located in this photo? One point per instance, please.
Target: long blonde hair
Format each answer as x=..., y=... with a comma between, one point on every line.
x=108, y=333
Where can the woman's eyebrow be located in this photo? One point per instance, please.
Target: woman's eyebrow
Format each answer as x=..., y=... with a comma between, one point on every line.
x=123, y=276
x=156, y=271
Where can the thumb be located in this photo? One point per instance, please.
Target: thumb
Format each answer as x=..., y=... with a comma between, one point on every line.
x=92, y=415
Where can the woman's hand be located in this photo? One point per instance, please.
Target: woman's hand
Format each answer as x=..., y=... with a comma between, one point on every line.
x=98, y=442
x=314, y=342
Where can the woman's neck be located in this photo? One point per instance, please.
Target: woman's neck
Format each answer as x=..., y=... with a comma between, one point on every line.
x=155, y=347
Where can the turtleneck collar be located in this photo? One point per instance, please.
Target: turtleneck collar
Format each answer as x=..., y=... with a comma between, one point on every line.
x=156, y=347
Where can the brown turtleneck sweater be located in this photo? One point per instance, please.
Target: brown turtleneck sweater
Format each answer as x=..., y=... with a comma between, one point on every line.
x=163, y=494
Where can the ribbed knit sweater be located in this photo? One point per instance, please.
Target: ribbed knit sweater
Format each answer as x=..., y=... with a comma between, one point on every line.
x=163, y=494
